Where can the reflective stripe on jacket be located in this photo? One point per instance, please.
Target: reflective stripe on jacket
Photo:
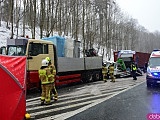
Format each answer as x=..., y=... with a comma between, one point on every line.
x=133, y=67
x=43, y=76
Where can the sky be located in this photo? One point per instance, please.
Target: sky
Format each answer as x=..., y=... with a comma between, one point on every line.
x=147, y=12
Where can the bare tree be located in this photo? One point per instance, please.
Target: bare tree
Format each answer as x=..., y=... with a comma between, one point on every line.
x=11, y=3
x=42, y=17
x=95, y=22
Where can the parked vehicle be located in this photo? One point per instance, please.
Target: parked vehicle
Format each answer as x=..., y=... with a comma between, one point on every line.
x=69, y=69
x=126, y=57
x=153, y=69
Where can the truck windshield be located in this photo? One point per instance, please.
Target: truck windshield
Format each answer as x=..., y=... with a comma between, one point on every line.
x=16, y=50
x=155, y=61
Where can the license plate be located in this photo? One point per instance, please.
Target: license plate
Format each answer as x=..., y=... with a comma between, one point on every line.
x=158, y=81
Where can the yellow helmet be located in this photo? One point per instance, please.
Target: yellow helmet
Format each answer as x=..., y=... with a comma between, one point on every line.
x=48, y=59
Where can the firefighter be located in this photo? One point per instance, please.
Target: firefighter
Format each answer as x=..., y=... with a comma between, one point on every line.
x=104, y=72
x=54, y=94
x=44, y=74
x=133, y=71
x=111, y=72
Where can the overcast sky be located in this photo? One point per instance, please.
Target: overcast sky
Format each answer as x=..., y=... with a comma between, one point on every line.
x=147, y=12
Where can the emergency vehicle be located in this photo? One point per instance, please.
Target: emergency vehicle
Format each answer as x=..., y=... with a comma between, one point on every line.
x=153, y=69
x=69, y=69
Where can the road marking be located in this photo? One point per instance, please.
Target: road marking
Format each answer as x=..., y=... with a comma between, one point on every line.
x=80, y=100
x=70, y=114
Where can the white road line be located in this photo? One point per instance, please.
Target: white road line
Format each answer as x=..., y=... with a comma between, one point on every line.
x=68, y=102
x=103, y=88
x=77, y=93
x=72, y=113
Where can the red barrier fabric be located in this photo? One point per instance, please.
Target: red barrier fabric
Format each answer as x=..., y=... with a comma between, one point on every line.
x=12, y=87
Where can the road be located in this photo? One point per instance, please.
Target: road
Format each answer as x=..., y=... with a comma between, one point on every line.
x=133, y=104
x=97, y=100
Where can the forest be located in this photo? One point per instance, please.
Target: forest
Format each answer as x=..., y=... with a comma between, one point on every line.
x=93, y=22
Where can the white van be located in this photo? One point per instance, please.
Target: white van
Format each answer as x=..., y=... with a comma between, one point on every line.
x=153, y=69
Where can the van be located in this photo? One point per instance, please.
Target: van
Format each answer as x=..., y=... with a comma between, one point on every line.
x=153, y=69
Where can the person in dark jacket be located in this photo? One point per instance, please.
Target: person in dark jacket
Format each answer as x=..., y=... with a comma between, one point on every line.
x=145, y=67
x=133, y=70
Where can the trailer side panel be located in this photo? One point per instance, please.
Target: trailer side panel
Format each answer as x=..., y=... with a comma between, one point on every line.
x=93, y=63
x=66, y=64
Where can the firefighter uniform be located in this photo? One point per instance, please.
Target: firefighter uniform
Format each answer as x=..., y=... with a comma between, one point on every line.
x=104, y=72
x=52, y=68
x=111, y=72
x=44, y=75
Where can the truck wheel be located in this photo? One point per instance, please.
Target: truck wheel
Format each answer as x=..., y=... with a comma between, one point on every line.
x=89, y=77
x=96, y=75
x=86, y=77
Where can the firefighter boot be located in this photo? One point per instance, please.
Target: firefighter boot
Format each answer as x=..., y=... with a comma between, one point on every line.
x=42, y=102
x=104, y=78
x=48, y=102
x=113, y=79
x=55, y=97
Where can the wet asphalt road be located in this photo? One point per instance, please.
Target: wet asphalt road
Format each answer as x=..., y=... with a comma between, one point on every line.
x=133, y=104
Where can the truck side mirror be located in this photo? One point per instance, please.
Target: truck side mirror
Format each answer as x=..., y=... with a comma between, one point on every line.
x=30, y=49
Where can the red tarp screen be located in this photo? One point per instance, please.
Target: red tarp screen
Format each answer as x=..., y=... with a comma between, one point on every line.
x=12, y=87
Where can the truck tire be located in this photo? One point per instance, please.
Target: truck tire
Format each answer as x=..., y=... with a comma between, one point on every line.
x=96, y=75
x=87, y=76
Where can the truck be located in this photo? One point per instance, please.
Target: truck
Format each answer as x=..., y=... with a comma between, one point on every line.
x=69, y=69
x=153, y=69
x=128, y=56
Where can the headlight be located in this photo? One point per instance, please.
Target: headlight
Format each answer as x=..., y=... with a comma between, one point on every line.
x=153, y=74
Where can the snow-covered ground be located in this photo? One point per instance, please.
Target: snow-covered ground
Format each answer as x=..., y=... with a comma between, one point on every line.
x=5, y=33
